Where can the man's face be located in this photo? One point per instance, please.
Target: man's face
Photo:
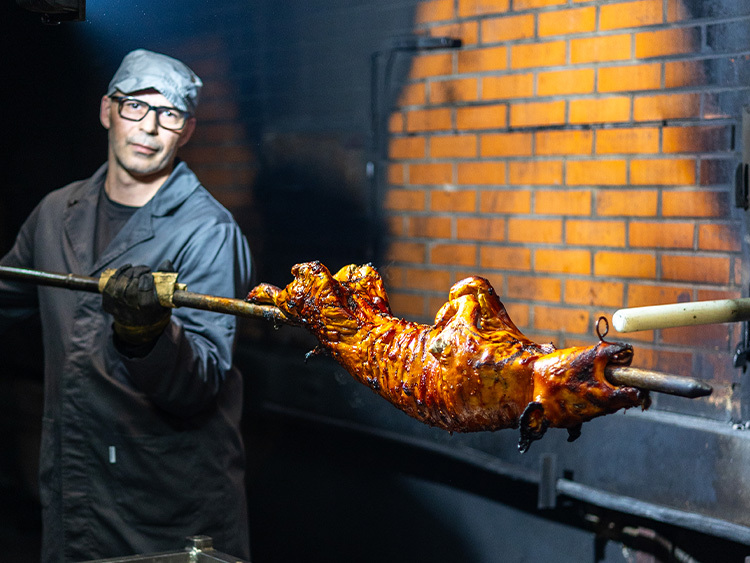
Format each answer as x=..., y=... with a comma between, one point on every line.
x=142, y=148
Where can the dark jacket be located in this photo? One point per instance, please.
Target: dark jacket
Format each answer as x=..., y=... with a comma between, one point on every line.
x=136, y=454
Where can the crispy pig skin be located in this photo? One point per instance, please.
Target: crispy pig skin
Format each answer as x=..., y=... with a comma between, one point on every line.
x=472, y=370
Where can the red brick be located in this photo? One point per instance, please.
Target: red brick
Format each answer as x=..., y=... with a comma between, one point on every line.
x=661, y=235
x=504, y=258
x=563, y=22
x=454, y=201
x=598, y=293
x=469, y=8
x=454, y=91
x=483, y=59
x=624, y=264
x=520, y=313
x=600, y=49
x=530, y=55
x=406, y=252
x=481, y=173
x=430, y=173
x=507, y=28
x=631, y=14
x=407, y=147
x=396, y=122
x=600, y=110
x=538, y=172
x=636, y=203
x=466, y=31
x=395, y=226
x=720, y=237
x=665, y=42
x=396, y=174
x=506, y=144
x=666, y=106
x=481, y=117
x=661, y=360
x=562, y=261
x=707, y=336
x=453, y=146
x=692, y=203
x=427, y=66
x=508, y=86
x=428, y=280
x=481, y=229
x=215, y=154
x=535, y=230
x=406, y=304
x=413, y=95
x=505, y=201
x=596, y=172
x=595, y=233
x=699, y=269
x=562, y=319
x=429, y=11
x=627, y=140
x=428, y=120
x=630, y=78
x=560, y=82
x=695, y=139
x=404, y=200
x=429, y=227
x=454, y=254
x=537, y=114
x=534, y=288
x=662, y=172
x=563, y=202
x=645, y=295
x=529, y=4
x=679, y=74
x=563, y=142
x=218, y=133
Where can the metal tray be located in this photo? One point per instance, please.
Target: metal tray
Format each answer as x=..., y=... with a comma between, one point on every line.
x=199, y=550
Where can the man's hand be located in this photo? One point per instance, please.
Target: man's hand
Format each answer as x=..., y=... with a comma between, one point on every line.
x=130, y=297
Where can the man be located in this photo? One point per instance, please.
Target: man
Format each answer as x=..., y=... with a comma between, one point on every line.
x=141, y=443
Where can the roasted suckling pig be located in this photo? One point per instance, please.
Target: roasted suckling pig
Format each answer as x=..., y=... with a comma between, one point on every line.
x=472, y=370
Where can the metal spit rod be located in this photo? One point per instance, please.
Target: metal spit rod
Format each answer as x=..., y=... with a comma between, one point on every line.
x=173, y=294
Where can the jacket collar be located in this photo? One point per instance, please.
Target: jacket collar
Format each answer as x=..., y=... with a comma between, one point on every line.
x=79, y=220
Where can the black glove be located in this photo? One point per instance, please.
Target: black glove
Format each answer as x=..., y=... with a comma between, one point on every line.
x=130, y=297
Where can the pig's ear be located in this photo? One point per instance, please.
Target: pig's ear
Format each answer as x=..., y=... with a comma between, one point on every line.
x=533, y=425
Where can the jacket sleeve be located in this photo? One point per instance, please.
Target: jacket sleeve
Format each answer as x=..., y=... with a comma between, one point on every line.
x=19, y=300
x=185, y=370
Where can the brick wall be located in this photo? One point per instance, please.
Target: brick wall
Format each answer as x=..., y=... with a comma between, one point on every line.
x=579, y=155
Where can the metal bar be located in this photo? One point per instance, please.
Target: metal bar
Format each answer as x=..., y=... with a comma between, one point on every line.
x=628, y=505
x=227, y=305
x=660, y=382
x=67, y=281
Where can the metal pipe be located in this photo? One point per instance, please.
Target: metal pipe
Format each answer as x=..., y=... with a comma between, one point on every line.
x=660, y=382
x=181, y=298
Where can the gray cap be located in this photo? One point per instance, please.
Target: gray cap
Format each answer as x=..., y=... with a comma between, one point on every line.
x=141, y=70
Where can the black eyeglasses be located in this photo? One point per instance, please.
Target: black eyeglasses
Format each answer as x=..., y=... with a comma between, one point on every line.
x=134, y=109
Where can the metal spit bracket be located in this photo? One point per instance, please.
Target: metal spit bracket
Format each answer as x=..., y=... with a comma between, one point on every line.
x=742, y=201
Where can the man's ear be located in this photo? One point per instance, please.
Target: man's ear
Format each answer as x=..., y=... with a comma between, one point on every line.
x=187, y=131
x=104, y=108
